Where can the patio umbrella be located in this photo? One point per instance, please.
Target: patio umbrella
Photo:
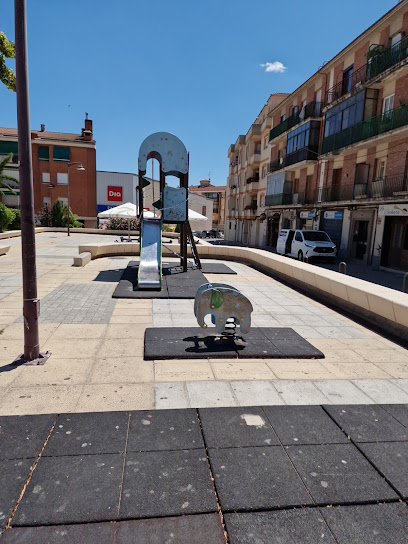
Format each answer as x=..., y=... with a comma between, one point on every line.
x=192, y=215
x=124, y=211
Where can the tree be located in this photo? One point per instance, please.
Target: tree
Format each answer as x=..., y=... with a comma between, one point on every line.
x=72, y=218
x=7, y=51
x=57, y=214
x=6, y=217
x=4, y=178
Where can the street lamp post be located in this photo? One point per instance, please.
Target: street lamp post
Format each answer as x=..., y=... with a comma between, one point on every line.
x=80, y=168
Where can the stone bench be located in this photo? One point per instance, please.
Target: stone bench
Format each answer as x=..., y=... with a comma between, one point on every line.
x=82, y=259
x=4, y=250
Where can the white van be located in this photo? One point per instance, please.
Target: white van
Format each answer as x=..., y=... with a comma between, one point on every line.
x=303, y=244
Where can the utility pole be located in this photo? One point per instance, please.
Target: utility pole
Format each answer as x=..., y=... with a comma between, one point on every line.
x=31, y=305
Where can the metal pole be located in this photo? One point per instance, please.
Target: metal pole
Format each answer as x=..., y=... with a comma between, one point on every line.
x=31, y=303
x=68, y=215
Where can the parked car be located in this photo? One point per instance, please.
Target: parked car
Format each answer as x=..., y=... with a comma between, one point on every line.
x=303, y=244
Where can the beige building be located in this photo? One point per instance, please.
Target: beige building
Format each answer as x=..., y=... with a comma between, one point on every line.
x=215, y=193
x=333, y=155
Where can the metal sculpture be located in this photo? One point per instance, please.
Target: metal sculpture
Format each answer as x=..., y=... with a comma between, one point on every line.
x=227, y=306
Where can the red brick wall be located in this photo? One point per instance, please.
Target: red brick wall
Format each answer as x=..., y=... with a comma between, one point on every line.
x=385, y=36
x=302, y=180
x=310, y=96
x=360, y=56
x=338, y=72
x=401, y=91
x=405, y=22
x=396, y=157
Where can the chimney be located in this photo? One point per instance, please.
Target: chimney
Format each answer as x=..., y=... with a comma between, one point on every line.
x=42, y=128
x=87, y=131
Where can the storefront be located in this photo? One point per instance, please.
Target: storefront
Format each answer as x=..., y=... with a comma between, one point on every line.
x=332, y=223
x=394, y=252
x=305, y=221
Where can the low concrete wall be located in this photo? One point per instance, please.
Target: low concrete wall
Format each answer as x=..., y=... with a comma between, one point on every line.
x=4, y=250
x=15, y=233
x=385, y=308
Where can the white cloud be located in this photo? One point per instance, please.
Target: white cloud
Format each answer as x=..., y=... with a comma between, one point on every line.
x=274, y=67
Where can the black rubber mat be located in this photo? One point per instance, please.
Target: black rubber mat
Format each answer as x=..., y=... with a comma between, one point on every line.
x=197, y=343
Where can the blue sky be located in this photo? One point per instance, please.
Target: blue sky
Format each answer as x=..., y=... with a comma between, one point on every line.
x=187, y=67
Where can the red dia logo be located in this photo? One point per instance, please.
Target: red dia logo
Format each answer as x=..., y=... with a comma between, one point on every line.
x=115, y=194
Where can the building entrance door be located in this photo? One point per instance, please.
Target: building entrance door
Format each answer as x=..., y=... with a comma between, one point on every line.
x=398, y=251
x=360, y=237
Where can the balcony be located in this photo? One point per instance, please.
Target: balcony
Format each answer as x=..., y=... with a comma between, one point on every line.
x=274, y=166
x=386, y=58
x=279, y=199
x=253, y=179
x=313, y=109
x=387, y=187
x=367, y=129
x=252, y=207
x=347, y=86
x=304, y=154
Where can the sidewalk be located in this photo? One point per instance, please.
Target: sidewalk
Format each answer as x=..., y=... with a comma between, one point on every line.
x=329, y=474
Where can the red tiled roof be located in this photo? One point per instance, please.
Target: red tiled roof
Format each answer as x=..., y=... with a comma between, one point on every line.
x=46, y=135
x=207, y=188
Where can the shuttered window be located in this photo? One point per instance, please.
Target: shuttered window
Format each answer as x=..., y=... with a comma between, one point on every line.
x=61, y=154
x=44, y=153
x=9, y=147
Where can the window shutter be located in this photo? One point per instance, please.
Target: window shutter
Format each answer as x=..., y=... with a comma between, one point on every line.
x=61, y=154
x=44, y=153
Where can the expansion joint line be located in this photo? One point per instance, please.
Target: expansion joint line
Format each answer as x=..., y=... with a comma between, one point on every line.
x=124, y=463
x=221, y=515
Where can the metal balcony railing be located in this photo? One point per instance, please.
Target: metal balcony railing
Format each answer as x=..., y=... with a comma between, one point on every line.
x=273, y=166
x=347, y=85
x=253, y=179
x=313, y=109
x=278, y=199
x=304, y=154
x=252, y=207
x=391, y=120
x=386, y=58
x=387, y=187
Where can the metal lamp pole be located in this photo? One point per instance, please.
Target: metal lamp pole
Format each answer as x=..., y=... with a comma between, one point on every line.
x=79, y=167
x=30, y=303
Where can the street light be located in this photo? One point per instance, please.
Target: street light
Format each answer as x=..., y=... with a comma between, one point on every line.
x=80, y=168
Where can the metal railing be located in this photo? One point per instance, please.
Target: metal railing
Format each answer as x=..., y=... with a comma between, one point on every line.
x=390, y=120
x=389, y=186
x=386, y=58
x=304, y=154
x=252, y=179
x=273, y=166
x=278, y=199
x=313, y=109
x=347, y=86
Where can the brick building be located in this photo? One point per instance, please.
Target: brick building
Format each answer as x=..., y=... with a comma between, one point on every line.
x=337, y=151
x=215, y=193
x=51, y=153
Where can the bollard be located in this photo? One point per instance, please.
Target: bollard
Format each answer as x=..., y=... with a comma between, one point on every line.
x=344, y=266
x=403, y=282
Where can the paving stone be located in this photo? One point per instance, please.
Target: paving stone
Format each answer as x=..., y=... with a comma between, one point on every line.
x=338, y=473
x=79, y=434
x=368, y=524
x=398, y=411
x=305, y=526
x=259, y=392
x=210, y=394
x=90, y=533
x=72, y=489
x=166, y=483
x=13, y=476
x=236, y=427
x=164, y=430
x=391, y=459
x=367, y=423
x=342, y=392
x=256, y=478
x=171, y=395
x=216, y=268
x=199, y=529
x=299, y=392
x=382, y=391
x=303, y=425
x=23, y=436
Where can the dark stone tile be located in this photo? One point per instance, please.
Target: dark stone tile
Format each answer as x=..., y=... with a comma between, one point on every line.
x=166, y=483
x=391, y=459
x=280, y=334
x=258, y=349
x=367, y=423
x=368, y=524
x=92, y=533
x=200, y=529
x=216, y=268
x=338, y=473
x=23, y=436
x=256, y=478
x=236, y=427
x=164, y=430
x=299, y=526
x=13, y=476
x=79, y=434
x=399, y=411
x=303, y=425
x=72, y=489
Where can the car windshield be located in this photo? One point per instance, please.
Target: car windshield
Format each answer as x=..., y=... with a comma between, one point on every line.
x=315, y=236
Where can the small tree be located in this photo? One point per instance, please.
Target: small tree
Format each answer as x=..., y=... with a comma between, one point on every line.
x=72, y=218
x=4, y=178
x=16, y=223
x=6, y=217
x=57, y=214
x=45, y=217
x=7, y=51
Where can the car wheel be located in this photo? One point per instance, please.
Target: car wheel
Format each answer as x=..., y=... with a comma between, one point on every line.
x=300, y=256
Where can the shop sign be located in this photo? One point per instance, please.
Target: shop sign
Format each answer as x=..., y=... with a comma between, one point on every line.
x=393, y=209
x=115, y=194
x=333, y=215
x=306, y=215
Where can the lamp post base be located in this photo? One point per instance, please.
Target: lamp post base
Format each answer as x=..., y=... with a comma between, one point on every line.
x=41, y=359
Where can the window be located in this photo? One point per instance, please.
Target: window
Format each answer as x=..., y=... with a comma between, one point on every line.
x=306, y=135
x=204, y=211
x=380, y=171
x=283, y=117
x=64, y=202
x=43, y=153
x=361, y=175
x=247, y=152
x=345, y=115
x=347, y=80
x=263, y=171
x=61, y=154
x=9, y=147
x=266, y=142
x=396, y=39
x=46, y=202
x=295, y=111
x=316, y=236
x=45, y=177
x=296, y=186
x=62, y=179
x=298, y=237
x=388, y=105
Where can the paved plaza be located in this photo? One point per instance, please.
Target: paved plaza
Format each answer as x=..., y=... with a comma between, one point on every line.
x=96, y=345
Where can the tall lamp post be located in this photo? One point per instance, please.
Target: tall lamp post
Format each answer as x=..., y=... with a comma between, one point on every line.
x=81, y=169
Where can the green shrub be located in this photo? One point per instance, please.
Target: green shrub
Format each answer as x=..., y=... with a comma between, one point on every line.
x=16, y=223
x=117, y=223
x=57, y=214
x=6, y=217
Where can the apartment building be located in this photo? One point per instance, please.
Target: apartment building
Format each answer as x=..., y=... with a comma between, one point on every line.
x=216, y=193
x=338, y=150
x=51, y=154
